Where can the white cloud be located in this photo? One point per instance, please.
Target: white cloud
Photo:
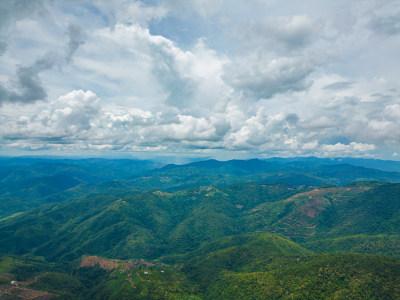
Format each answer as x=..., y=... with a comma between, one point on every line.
x=310, y=146
x=262, y=77
x=294, y=80
x=281, y=33
x=151, y=69
x=67, y=117
x=392, y=112
x=379, y=125
x=187, y=128
x=340, y=149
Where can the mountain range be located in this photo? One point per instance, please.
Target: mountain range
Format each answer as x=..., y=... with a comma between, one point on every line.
x=278, y=228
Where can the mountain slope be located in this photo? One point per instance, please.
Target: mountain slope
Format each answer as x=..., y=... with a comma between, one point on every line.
x=265, y=266
x=30, y=182
x=324, y=276
x=144, y=225
x=156, y=223
x=373, y=212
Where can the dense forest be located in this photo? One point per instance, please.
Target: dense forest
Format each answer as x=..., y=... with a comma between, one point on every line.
x=302, y=228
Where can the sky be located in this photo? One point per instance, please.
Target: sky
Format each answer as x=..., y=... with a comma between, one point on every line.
x=209, y=78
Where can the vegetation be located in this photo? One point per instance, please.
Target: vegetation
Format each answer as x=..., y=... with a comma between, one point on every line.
x=385, y=245
x=207, y=230
x=325, y=276
x=251, y=267
x=26, y=183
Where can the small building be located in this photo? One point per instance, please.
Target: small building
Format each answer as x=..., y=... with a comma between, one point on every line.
x=14, y=282
x=146, y=273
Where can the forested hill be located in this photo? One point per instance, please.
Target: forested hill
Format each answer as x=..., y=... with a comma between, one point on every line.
x=157, y=223
x=277, y=228
x=26, y=183
x=313, y=172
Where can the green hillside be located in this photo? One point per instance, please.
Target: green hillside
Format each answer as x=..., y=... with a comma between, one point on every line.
x=153, y=224
x=266, y=266
x=205, y=230
x=375, y=211
x=239, y=253
x=147, y=225
x=258, y=266
x=324, y=276
x=385, y=245
x=26, y=183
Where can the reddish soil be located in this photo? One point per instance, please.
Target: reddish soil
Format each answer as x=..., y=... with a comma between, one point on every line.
x=104, y=263
x=33, y=294
x=13, y=292
x=111, y=264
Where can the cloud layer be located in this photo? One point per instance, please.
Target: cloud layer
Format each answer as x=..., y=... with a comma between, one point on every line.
x=104, y=76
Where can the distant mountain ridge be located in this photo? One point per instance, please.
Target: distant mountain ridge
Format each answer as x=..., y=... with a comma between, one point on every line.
x=379, y=164
x=29, y=182
x=294, y=172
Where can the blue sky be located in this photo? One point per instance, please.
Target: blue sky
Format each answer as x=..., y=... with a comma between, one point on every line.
x=222, y=79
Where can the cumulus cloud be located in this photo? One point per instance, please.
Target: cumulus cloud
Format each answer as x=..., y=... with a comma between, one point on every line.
x=258, y=130
x=66, y=117
x=262, y=77
x=275, y=56
x=188, y=128
x=340, y=149
x=392, y=112
x=72, y=113
x=281, y=32
x=80, y=120
x=309, y=146
x=78, y=117
x=154, y=69
x=298, y=81
x=144, y=60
